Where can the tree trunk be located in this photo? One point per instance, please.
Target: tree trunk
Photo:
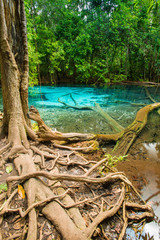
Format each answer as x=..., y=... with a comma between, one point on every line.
x=14, y=71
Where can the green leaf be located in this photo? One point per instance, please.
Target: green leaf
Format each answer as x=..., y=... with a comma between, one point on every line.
x=9, y=169
x=3, y=187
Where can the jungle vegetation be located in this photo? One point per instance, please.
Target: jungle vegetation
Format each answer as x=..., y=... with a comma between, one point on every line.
x=93, y=41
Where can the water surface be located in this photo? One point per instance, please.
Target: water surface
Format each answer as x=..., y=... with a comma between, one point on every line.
x=121, y=102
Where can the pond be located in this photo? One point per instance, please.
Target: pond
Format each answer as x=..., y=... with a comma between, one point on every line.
x=121, y=102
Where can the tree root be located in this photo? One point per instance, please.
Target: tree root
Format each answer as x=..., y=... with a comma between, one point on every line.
x=127, y=137
x=61, y=177
x=34, y=205
x=67, y=208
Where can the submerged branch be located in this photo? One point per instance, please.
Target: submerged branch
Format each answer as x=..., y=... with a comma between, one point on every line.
x=112, y=123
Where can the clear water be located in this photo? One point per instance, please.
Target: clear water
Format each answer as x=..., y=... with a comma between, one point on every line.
x=121, y=102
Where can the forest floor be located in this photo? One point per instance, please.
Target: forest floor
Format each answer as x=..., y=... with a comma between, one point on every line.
x=15, y=227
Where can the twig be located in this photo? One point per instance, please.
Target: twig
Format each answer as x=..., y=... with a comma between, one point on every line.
x=5, y=208
x=41, y=230
x=75, y=107
x=16, y=235
x=104, y=233
x=91, y=200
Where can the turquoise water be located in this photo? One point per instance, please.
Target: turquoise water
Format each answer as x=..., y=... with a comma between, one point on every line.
x=121, y=102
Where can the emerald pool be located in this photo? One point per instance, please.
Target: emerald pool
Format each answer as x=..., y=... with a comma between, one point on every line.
x=121, y=102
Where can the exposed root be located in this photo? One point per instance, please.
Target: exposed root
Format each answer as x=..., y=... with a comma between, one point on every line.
x=85, y=149
x=62, y=202
x=106, y=214
x=34, y=205
x=76, y=178
x=5, y=207
x=128, y=136
x=5, y=148
x=16, y=150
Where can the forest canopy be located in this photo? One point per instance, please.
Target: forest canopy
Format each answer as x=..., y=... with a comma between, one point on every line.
x=93, y=41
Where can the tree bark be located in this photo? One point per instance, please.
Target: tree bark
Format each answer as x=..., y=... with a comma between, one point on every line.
x=14, y=71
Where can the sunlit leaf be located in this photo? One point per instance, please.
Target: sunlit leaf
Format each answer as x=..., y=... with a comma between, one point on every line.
x=21, y=191
x=3, y=187
x=9, y=169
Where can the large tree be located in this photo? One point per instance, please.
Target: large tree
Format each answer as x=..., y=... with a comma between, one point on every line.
x=14, y=72
x=16, y=124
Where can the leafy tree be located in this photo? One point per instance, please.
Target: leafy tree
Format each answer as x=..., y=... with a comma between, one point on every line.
x=94, y=41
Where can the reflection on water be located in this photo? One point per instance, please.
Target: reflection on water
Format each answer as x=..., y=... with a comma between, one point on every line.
x=145, y=174
x=151, y=192
x=151, y=150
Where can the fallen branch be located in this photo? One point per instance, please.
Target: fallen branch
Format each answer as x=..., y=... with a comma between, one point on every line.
x=149, y=95
x=112, y=123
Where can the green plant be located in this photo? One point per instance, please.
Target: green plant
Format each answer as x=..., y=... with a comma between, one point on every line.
x=113, y=160
x=3, y=187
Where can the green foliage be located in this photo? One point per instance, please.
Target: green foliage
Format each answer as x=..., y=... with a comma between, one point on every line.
x=34, y=55
x=3, y=187
x=94, y=41
x=112, y=161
